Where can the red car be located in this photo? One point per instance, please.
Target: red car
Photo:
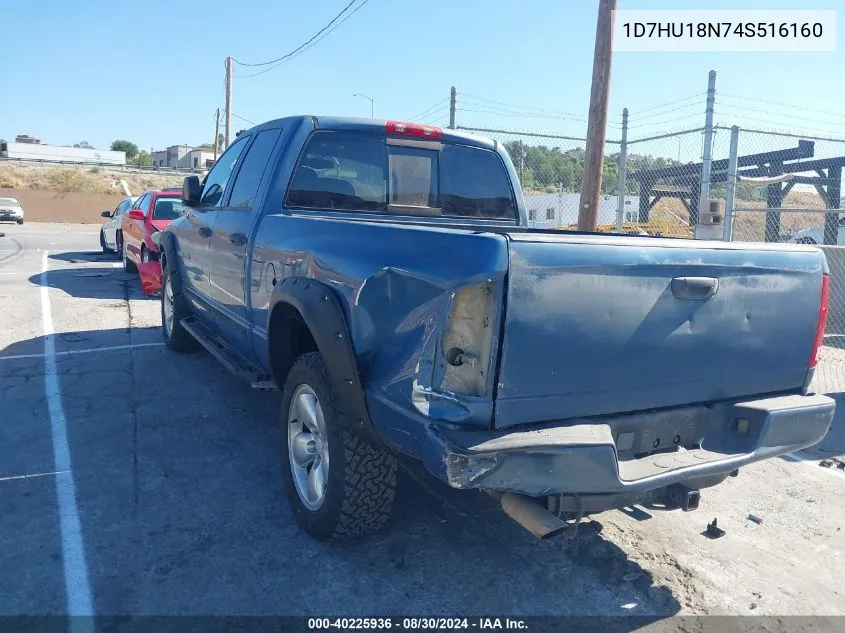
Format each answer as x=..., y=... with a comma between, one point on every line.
x=152, y=212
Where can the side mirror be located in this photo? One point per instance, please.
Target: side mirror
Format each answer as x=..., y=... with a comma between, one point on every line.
x=105, y=214
x=135, y=214
x=191, y=191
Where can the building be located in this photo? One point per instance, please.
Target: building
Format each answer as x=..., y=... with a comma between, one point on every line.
x=553, y=210
x=32, y=149
x=171, y=156
x=183, y=157
x=199, y=158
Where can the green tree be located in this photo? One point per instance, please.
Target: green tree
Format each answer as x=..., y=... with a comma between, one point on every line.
x=143, y=159
x=128, y=147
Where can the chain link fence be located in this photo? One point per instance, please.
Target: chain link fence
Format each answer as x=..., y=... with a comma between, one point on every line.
x=786, y=189
x=549, y=168
x=797, y=200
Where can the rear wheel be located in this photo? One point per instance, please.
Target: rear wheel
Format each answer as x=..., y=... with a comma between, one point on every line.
x=128, y=265
x=20, y=221
x=338, y=484
x=173, y=310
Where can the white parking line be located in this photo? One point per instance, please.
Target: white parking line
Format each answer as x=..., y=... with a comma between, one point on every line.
x=77, y=583
x=89, y=350
x=814, y=464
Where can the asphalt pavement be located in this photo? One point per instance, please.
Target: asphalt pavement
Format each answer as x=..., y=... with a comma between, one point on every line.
x=138, y=481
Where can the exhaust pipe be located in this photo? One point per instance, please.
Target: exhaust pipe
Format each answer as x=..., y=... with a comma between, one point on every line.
x=529, y=514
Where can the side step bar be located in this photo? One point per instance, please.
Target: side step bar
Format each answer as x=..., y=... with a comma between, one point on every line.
x=227, y=356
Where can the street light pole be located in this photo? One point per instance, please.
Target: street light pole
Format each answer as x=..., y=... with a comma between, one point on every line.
x=358, y=94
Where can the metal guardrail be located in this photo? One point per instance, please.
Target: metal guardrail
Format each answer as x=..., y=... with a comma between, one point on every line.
x=110, y=166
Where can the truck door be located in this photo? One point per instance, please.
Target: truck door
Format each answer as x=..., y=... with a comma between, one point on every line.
x=229, y=244
x=194, y=241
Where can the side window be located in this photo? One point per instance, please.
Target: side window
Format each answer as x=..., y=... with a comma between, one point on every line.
x=123, y=207
x=215, y=182
x=252, y=169
x=144, y=203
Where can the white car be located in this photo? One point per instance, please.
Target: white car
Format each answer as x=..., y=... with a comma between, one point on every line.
x=815, y=235
x=11, y=210
x=108, y=232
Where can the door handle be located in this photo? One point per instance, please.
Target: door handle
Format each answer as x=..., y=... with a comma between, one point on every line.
x=204, y=231
x=694, y=287
x=238, y=239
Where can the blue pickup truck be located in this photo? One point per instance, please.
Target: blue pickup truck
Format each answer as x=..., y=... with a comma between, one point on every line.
x=382, y=276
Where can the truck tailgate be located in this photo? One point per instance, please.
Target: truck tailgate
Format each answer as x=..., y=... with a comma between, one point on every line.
x=597, y=325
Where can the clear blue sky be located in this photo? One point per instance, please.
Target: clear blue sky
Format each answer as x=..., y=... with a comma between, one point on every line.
x=153, y=71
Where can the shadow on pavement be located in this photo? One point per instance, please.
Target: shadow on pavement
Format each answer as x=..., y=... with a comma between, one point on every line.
x=78, y=257
x=93, y=282
x=178, y=482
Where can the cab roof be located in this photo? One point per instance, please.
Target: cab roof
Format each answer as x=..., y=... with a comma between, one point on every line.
x=373, y=125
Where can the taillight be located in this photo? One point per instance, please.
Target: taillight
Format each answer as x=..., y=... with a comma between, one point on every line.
x=418, y=130
x=814, y=356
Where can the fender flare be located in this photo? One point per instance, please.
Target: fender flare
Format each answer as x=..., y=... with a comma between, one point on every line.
x=168, y=245
x=321, y=311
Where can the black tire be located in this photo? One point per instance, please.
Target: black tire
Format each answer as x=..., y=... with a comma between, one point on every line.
x=103, y=246
x=806, y=240
x=118, y=244
x=20, y=221
x=128, y=265
x=361, y=480
x=175, y=337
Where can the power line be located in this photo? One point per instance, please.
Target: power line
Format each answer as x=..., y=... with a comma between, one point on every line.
x=520, y=107
x=243, y=119
x=429, y=116
x=428, y=110
x=790, y=117
x=663, y=105
x=301, y=46
x=528, y=113
x=311, y=43
x=638, y=117
x=680, y=118
x=784, y=105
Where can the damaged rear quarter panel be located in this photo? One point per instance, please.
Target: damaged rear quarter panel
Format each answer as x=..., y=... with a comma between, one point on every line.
x=395, y=283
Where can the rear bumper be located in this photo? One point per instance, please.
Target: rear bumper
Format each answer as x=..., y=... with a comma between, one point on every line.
x=605, y=456
x=5, y=216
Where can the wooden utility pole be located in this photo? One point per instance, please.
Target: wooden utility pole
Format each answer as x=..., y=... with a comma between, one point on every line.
x=588, y=210
x=216, y=132
x=228, y=125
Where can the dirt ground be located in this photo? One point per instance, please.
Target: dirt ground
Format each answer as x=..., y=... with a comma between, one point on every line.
x=73, y=194
x=55, y=206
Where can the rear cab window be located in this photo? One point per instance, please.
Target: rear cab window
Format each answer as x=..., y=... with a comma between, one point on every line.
x=371, y=172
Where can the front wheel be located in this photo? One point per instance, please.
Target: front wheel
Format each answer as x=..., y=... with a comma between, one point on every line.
x=103, y=244
x=806, y=240
x=338, y=484
x=173, y=310
x=20, y=221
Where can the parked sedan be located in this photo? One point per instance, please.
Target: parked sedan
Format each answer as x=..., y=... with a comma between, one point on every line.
x=152, y=212
x=110, y=228
x=11, y=210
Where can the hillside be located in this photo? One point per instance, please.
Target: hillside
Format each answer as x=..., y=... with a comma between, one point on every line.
x=94, y=180
x=73, y=194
